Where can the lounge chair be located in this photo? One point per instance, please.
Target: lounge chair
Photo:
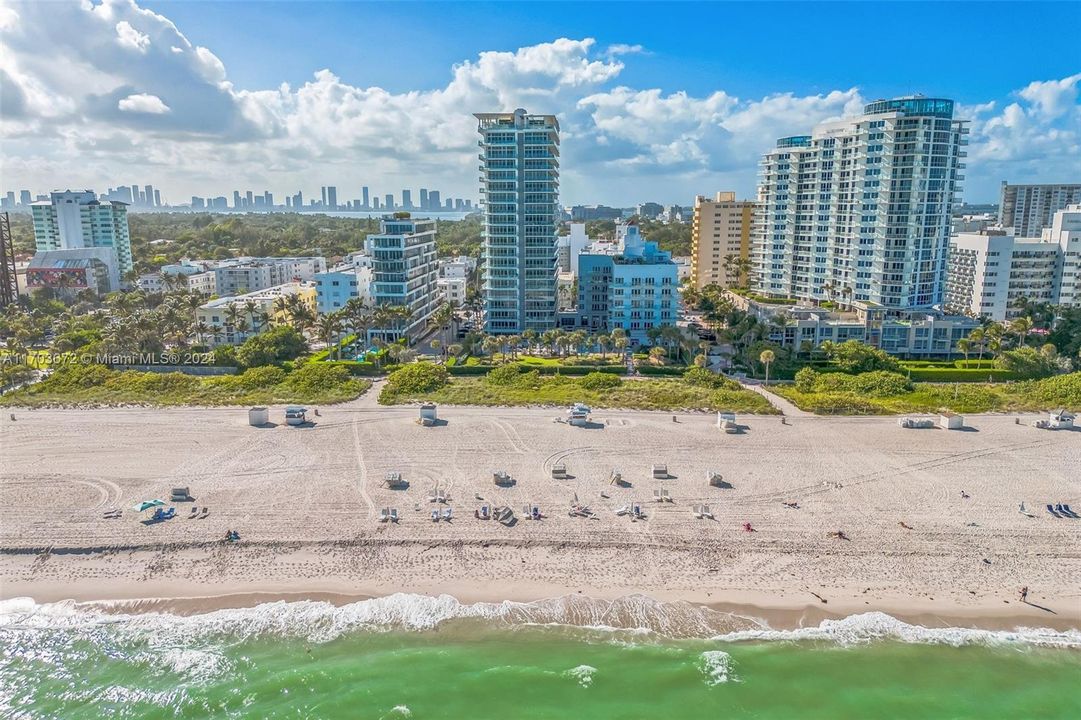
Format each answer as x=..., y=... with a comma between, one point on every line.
x=636, y=510
x=1051, y=510
x=1069, y=511
x=169, y=514
x=435, y=516
x=446, y=514
x=194, y=512
x=394, y=515
x=657, y=495
x=384, y=515
x=623, y=510
x=535, y=513
x=205, y=513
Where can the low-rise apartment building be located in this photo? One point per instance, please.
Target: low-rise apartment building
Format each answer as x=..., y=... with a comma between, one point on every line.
x=251, y=313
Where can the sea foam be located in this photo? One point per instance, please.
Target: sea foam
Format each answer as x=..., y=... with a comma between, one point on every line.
x=637, y=614
x=867, y=627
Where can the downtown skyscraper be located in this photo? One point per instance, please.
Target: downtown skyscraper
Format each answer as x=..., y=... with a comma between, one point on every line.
x=519, y=186
x=859, y=210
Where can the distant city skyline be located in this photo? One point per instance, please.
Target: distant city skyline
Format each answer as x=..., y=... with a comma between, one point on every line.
x=680, y=106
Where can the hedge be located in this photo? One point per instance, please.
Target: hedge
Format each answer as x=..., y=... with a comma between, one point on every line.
x=946, y=374
x=661, y=370
x=543, y=369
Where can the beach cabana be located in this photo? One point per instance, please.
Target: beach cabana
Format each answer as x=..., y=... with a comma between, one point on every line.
x=296, y=415
x=559, y=471
x=502, y=478
x=660, y=471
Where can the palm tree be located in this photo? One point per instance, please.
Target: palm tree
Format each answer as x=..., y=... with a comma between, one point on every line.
x=977, y=337
x=657, y=354
x=620, y=343
x=604, y=341
x=327, y=328
x=766, y=358
x=1021, y=327
x=964, y=345
x=454, y=350
x=443, y=316
x=530, y=337
x=490, y=345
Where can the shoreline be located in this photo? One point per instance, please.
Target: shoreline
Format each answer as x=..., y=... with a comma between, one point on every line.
x=768, y=610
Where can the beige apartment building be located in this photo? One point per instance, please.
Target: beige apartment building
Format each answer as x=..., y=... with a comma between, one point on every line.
x=722, y=226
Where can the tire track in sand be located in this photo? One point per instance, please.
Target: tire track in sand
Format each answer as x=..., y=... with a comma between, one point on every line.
x=363, y=471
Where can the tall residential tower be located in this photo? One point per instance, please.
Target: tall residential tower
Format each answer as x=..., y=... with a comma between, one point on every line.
x=72, y=220
x=859, y=210
x=519, y=185
x=1029, y=209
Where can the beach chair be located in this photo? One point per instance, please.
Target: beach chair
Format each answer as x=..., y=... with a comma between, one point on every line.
x=1069, y=511
x=194, y=512
x=205, y=513
x=169, y=514
x=446, y=514
x=394, y=515
x=535, y=513
x=623, y=510
x=435, y=516
x=485, y=512
x=665, y=497
x=657, y=495
x=384, y=514
x=1051, y=510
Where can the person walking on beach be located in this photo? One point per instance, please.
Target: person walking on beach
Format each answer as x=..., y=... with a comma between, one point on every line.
x=1024, y=594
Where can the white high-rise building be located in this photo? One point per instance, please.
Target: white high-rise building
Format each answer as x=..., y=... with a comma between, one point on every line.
x=1029, y=209
x=72, y=220
x=520, y=190
x=859, y=210
x=992, y=269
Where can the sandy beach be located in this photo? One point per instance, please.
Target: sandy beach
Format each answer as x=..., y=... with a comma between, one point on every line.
x=306, y=503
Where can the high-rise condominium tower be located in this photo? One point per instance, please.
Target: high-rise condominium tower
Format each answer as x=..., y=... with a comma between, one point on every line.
x=1029, y=209
x=519, y=185
x=860, y=208
x=721, y=240
x=71, y=220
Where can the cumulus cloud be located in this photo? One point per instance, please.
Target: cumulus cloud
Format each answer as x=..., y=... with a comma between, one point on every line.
x=143, y=103
x=124, y=96
x=129, y=37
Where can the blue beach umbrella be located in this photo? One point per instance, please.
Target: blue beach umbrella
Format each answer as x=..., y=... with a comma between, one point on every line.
x=147, y=504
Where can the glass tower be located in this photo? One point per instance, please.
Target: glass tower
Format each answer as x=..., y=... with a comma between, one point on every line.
x=519, y=186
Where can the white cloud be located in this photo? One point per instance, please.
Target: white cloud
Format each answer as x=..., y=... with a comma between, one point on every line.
x=90, y=112
x=143, y=103
x=129, y=37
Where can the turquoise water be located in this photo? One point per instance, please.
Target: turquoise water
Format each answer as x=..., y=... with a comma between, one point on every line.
x=435, y=659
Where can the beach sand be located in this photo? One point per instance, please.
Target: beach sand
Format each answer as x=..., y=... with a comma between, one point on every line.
x=306, y=501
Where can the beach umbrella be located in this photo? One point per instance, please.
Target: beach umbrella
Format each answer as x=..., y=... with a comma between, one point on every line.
x=147, y=504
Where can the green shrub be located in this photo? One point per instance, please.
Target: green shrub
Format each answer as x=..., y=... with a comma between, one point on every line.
x=273, y=346
x=1029, y=362
x=314, y=378
x=599, y=381
x=805, y=379
x=417, y=378
x=707, y=378
x=951, y=374
x=504, y=375
x=73, y=377
x=260, y=377
x=853, y=356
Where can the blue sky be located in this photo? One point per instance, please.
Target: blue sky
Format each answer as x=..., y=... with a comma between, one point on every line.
x=657, y=101
x=745, y=48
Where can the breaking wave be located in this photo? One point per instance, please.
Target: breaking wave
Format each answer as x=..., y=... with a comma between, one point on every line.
x=634, y=615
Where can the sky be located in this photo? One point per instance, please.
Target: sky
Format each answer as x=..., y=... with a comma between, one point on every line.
x=657, y=102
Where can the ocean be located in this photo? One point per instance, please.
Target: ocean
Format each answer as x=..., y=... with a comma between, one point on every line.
x=409, y=656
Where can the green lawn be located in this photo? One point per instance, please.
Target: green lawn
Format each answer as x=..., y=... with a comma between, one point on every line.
x=1063, y=391
x=98, y=386
x=562, y=391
